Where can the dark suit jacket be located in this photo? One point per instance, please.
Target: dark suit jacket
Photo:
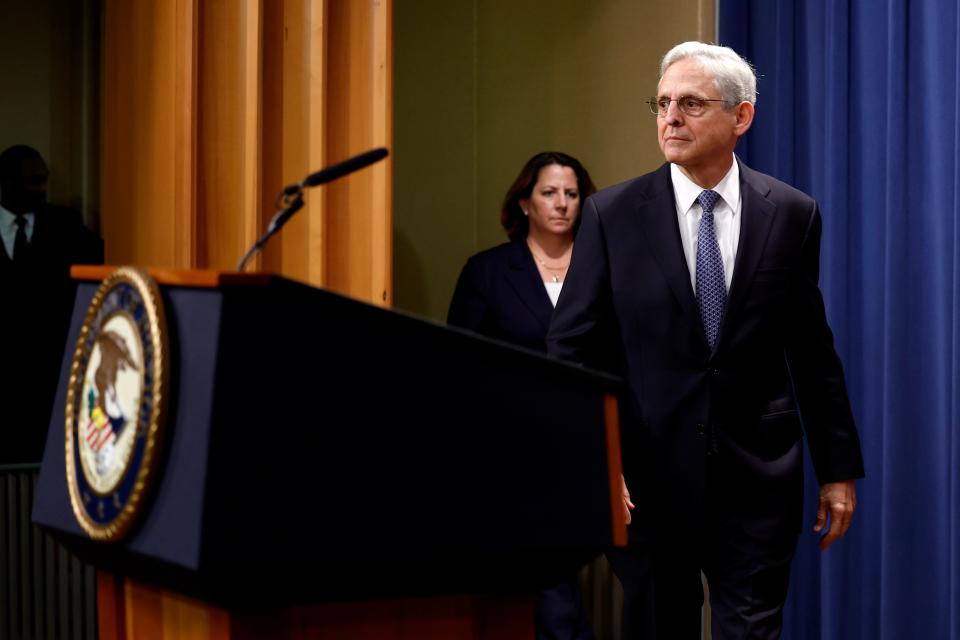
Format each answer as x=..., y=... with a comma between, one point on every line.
x=37, y=300
x=500, y=294
x=629, y=305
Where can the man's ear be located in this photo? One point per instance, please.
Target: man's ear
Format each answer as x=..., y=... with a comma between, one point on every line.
x=744, y=112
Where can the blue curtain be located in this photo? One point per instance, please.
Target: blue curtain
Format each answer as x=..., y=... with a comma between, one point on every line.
x=859, y=106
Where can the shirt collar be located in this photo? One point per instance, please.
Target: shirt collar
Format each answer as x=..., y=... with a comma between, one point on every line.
x=687, y=191
x=7, y=217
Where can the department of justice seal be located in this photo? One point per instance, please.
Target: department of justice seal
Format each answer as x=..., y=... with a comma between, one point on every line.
x=116, y=402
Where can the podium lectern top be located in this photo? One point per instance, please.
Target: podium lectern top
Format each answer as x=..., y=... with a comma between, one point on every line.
x=321, y=448
x=198, y=278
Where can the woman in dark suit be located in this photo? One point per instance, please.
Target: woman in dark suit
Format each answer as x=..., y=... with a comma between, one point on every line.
x=509, y=292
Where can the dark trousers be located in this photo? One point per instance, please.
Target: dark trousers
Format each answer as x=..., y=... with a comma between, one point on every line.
x=745, y=557
x=560, y=612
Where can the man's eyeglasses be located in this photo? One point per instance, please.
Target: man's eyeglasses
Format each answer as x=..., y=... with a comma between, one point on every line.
x=690, y=105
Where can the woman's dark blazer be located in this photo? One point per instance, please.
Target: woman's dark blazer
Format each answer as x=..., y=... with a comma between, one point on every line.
x=500, y=294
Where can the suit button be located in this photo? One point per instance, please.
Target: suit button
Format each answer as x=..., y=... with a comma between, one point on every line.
x=714, y=372
x=701, y=429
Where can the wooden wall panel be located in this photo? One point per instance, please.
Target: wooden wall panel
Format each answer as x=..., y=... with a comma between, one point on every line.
x=183, y=214
x=360, y=118
x=271, y=157
x=295, y=115
x=139, y=117
x=212, y=106
x=316, y=136
x=295, y=132
x=381, y=255
x=228, y=135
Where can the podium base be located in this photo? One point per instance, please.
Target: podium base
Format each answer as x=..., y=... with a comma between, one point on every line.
x=130, y=609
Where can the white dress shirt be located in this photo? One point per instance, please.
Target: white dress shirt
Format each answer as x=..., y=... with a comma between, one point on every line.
x=726, y=218
x=553, y=291
x=8, y=229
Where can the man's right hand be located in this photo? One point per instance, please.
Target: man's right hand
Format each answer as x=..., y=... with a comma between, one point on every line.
x=627, y=505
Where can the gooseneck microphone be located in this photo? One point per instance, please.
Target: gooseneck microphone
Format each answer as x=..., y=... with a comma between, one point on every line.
x=292, y=195
x=338, y=170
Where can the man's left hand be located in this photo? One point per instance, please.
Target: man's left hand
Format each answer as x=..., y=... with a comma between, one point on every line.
x=839, y=500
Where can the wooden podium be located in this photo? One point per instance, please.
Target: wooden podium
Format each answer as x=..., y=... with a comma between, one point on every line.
x=337, y=470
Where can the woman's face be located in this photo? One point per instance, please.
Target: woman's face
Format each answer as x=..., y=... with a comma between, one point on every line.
x=554, y=205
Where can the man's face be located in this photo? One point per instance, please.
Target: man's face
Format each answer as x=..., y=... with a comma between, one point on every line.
x=695, y=142
x=26, y=190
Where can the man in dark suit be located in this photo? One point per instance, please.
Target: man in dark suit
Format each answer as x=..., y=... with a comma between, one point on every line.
x=699, y=284
x=40, y=243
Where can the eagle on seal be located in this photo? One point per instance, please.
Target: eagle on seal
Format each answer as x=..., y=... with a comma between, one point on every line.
x=114, y=358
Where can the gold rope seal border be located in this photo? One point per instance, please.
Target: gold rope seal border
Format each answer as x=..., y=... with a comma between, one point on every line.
x=148, y=290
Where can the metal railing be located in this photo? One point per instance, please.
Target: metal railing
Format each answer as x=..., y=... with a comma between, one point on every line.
x=45, y=592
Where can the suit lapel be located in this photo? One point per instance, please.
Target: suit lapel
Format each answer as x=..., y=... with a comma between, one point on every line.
x=524, y=278
x=757, y=213
x=659, y=216
x=659, y=222
x=41, y=231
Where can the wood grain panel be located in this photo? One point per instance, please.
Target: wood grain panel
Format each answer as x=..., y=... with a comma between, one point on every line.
x=438, y=618
x=186, y=619
x=185, y=137
x=295, y=105
x=348, y=110
x=382, y=174
x=212, y=106
x=143, y=611
x=251, y=218
x=294, y=135
x=358, y=207
x=198, y=278
x=317, y=150
x=228, y=130
x=271, y=152
x=615, y=469
x=140, y=115
x=131, y=609
x=111, y=607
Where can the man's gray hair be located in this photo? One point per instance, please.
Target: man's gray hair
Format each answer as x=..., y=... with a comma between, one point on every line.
x=734, y=76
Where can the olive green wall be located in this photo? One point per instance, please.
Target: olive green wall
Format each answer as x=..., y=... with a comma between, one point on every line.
x=482, y=85
x=49, y=65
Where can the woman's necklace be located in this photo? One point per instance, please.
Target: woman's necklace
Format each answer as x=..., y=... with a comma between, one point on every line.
x=557, y=271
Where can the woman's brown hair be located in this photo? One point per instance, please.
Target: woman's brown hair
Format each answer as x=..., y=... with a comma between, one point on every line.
x=511, y=216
